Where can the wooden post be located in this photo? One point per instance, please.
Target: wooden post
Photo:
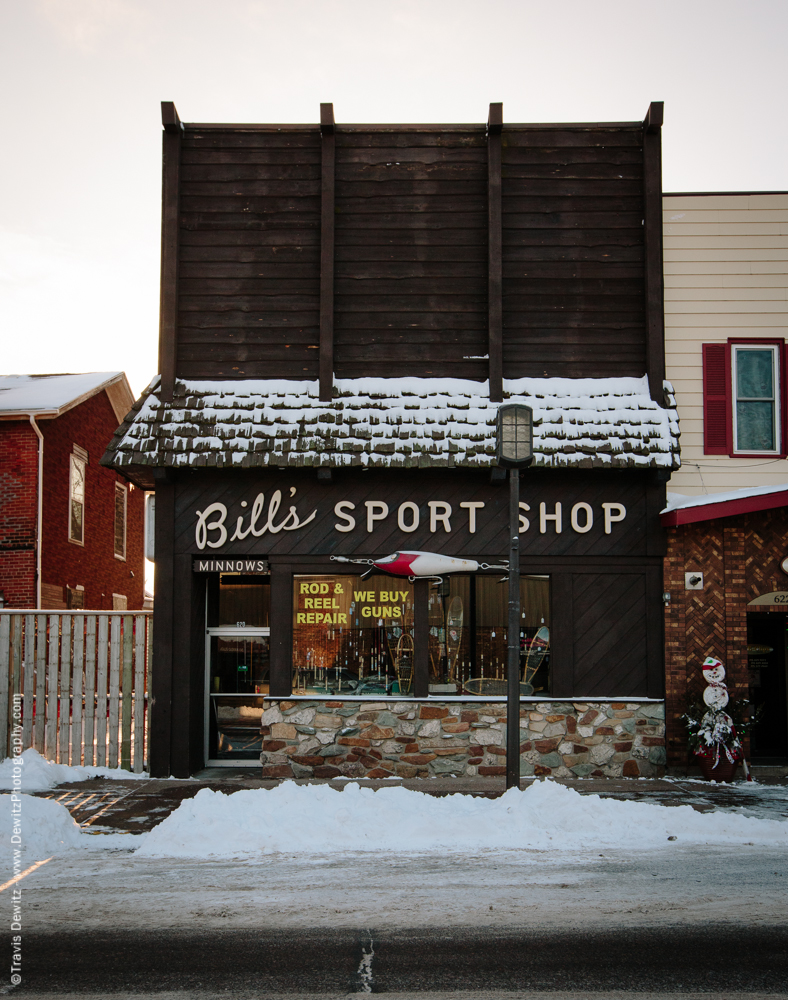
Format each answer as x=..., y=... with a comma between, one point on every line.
x=15, y=680
x=65, y=687
x=282, y=637
x=127, y=680
x=114, y=690
x=41, y=680
x=29, y=680
x=77, y=712
x=421, y=638
x=652, y=234
x=5, y=633
x=138, y=754
x=495, y=253
x=168, y=307
x=185, y=743
x=90, y=688
x=160, y=685
x=101, y=691
x=327, y=144
x=50, y=740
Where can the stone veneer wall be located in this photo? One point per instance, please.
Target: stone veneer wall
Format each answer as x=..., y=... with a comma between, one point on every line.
x=410, y=739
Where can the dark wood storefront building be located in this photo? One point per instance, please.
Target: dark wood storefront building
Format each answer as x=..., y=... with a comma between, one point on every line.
x=344, y=308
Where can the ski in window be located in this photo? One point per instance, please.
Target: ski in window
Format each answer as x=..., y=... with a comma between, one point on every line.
x=756, y=403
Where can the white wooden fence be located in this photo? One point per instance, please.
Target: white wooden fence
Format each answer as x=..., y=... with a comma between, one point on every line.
x=76, y=682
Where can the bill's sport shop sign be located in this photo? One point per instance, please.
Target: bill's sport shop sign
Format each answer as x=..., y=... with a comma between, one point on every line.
x=562, y=512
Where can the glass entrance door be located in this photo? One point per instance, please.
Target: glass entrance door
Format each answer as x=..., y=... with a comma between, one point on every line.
x=238, y=663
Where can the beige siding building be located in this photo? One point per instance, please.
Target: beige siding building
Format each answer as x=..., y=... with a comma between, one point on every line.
x=726, y=283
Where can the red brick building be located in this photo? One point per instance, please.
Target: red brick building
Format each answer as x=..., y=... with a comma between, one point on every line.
x=88, y=519
x=726, y=576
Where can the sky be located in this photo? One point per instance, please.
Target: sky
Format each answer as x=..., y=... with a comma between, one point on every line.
x=81, y=83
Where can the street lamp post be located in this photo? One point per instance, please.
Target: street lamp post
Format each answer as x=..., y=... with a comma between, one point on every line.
x=515, y=452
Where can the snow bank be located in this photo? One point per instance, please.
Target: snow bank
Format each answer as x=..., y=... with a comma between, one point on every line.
x=44, y=826
x=39, y=774
x=546, y=816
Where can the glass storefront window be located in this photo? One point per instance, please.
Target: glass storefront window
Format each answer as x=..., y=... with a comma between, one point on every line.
x=469, y=635
x=355, y=635
x=352, y=635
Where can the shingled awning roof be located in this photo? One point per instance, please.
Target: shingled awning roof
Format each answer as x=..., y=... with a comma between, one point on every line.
x=609, y=423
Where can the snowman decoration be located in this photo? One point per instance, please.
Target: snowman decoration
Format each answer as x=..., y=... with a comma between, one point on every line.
x=716, y=724
x=716, y=694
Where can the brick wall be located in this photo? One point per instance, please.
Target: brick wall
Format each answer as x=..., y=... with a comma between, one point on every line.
x=93, y=566
x=740, y=560
x=18, y=510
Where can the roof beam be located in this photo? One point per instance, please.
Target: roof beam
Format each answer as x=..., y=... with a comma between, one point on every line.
x=652, y=235
x=327, y=196
x=168, y=302
x=494, y=253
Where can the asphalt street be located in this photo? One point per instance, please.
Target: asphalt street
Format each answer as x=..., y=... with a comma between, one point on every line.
x=681, y=920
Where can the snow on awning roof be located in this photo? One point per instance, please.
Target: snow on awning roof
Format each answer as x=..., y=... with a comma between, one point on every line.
x=688, y=510
x=402, y=423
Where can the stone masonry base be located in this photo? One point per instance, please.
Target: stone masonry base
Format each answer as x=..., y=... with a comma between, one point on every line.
x=412, y=739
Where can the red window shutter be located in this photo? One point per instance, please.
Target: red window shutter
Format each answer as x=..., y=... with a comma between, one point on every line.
x=716, y=400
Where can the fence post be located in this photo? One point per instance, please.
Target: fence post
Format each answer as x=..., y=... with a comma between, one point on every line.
x=65, y=687
x=5, y=633
x=76, y=689
x=15, y=683
x=41, y=680
x=101, y=691
x=114, y=690
x=128, y=679
x=90, y=688
x=139, y=692
x=29, y=680
x=53, y=638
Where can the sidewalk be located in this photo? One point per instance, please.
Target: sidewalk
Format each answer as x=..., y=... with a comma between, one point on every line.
x=116, y=806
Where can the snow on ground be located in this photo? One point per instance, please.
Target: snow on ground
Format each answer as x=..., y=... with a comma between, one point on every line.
x=546, y=816
x=38, y=774
x=40, y=828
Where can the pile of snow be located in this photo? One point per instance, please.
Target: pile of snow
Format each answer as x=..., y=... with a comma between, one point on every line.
x=37, y=774
x=37, y=827
x=546, y=816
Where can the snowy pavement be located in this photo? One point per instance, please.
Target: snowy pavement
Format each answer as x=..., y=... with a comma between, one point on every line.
x=309, y=889
x=488, y=889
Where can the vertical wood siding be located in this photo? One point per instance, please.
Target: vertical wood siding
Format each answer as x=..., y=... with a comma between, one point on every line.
x=411, y=252
x=63, y=700
x=726, y=275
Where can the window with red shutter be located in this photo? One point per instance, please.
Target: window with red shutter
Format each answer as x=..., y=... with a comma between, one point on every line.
x=716, y=400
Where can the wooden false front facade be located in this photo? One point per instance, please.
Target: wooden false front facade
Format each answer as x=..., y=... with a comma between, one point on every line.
x=343, y=307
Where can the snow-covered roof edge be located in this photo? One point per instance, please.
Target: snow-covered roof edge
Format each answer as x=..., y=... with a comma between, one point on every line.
x=406, y=422
x=682, y=509
x=52, y=395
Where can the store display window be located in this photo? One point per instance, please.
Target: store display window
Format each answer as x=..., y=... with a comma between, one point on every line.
x=352, y=635
x=355, y=635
